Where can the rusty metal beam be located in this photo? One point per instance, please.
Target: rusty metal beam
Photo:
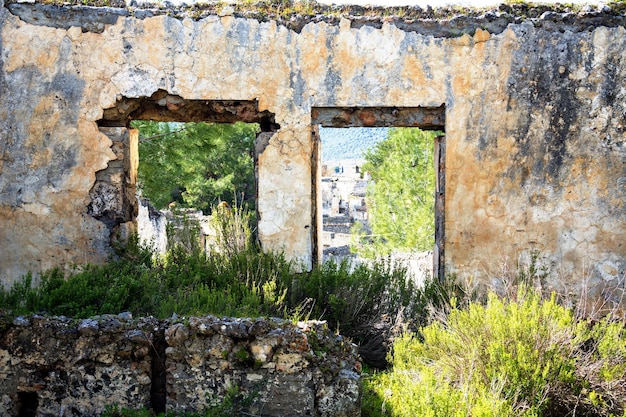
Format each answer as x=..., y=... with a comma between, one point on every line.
x=427, y=118
x=165, y=107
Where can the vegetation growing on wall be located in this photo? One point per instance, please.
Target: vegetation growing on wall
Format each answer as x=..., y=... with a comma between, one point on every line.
x=521, y=355
x=227, y=282
x=290, y=11
x=196, y=165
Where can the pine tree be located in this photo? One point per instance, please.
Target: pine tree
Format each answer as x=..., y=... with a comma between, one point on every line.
x=196, y=164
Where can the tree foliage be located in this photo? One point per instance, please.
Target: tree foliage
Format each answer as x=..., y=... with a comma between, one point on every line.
x=401, y=194
x=196, y=164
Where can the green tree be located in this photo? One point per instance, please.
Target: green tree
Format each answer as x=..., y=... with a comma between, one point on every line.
x=196, y=164
x=401, y=194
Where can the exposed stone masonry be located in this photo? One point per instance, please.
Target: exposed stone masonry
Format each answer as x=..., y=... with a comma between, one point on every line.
x=61, y=367
x=113, y=200
x=164, y=107
x=444, y=22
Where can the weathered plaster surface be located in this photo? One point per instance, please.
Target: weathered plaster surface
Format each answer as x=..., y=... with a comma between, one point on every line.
x=534, y=124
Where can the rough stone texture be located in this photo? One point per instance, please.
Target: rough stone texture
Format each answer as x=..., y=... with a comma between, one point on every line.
x=63, y=367
x=534, y=118
x=74, y=367
x=113, y=199
x=425, y=118
x=165, y=107
x=284, y=370
x=152, y=227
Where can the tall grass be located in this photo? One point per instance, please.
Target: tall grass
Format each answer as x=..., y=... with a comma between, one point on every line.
x=234, y=279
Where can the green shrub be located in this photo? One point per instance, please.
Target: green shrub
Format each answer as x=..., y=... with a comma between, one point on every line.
x=522, y=357
x=415, y=390
x=522, y=347
x=368, y=303
x=610, y=335
x=248, y=282
x=352, y=296
x=602, y=365
x=233, y=230
x=22, y=297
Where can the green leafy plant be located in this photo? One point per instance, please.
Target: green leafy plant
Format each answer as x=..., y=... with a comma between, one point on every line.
x=187, y=281
x=407, y=392
x=401, y=195
x=232, y=227
x=183, y=234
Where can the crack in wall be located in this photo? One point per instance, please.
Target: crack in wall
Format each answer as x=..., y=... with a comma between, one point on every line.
x=158, y=388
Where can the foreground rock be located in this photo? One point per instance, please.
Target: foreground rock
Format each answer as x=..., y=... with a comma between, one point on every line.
x=270, y=367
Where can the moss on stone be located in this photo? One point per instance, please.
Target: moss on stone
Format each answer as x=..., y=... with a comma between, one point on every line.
x=297, y=13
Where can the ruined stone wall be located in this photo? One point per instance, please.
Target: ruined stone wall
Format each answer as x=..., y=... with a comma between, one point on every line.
x=534, y=120
x=61, y=367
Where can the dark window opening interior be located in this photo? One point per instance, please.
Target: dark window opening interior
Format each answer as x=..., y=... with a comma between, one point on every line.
x=385, y=198
x=27, y=404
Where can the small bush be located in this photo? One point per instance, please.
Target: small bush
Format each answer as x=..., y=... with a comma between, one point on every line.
x=233, y=231
x=352, y=297
x=370, y=303
x=22, y=298
x=522, y=357
x=601, y=364
x=409, y=392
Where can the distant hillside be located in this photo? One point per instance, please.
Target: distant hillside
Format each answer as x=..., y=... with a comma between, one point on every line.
x=350, y=143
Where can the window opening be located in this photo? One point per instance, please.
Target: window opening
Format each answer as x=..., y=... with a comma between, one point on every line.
x=196, y=165
x=403, y=183
x=196, y=154
x=192, y=172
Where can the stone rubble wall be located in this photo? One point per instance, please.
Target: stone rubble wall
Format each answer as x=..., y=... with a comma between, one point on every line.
x=63, y=367
x=535, y=120
x=113, y=200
